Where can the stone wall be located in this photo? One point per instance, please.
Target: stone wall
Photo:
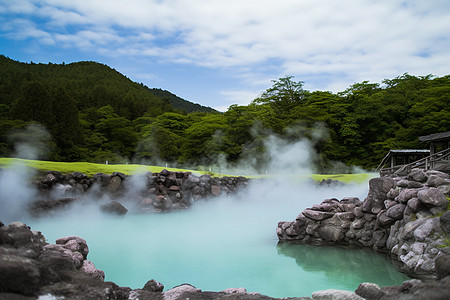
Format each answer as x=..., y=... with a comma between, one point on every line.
x=149, y=192
x=407, y=217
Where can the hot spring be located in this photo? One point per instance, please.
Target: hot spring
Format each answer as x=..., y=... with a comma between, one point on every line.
x=224, y=242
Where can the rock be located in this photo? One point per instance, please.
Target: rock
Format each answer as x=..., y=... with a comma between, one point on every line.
x=332, y=294
x=235, y=291
x=384, y=220
x=406, y=194
x=114, y=184
x=165, y=172
x=432, y=196
x=435, y=181
x=176, y=292
x=89, y=268
x=445, y=222
x=74, y=243
x=396, y=212
x=442, y=263
x=57, y=260
x=425, y=230
x=316, y=215
x=331, y=233
x=114, y=207
x=18, y=275
x=378, y=189
x=415, y=204
x=369, y=291
x=417, y=175
x=153, y=286
x=215, y=190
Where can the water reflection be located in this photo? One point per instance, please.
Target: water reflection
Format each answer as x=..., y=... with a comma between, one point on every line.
x=344, y=264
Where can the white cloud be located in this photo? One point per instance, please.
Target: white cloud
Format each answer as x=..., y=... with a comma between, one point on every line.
x=347, y=41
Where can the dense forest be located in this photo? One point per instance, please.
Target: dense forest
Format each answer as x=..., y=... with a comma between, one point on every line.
x=87, y=111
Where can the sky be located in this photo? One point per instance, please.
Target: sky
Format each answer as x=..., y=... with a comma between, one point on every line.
x=223, y=52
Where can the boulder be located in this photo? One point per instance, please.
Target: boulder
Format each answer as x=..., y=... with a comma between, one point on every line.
x=178, y=291
x=432, y=196
x=406, y=194
x=153, y=286
x=333, y=294
x=114, y=207
x=396, y=212
x=114, y=184
x=369, y=291
x=435, y=181
x=378, y=189
x=443, y=266
x=445, y=222
x=18, y=275
x=417, y=175
x=89, y=268
x=317, y=215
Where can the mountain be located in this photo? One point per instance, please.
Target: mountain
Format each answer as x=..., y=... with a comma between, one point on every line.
x=180, y=103
x=91, y=84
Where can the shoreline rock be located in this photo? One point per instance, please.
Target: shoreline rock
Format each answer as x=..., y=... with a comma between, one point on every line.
x=143, y=193
x=405, y=217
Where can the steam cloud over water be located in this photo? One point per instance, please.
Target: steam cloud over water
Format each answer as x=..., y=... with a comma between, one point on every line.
x=218, y=243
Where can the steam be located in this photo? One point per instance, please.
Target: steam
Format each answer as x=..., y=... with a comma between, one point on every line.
x=31, y=142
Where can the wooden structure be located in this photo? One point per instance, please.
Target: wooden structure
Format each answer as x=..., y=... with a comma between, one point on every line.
x=436, y=158
x=396, y=159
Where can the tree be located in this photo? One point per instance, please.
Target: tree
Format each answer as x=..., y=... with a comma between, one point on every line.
x=283, y=94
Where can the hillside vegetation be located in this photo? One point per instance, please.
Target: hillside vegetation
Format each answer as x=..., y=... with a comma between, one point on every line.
x=89, y=112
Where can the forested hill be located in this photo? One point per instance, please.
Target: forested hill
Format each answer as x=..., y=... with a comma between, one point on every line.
x=86, y=81
x=89, y=112
x=180, y=103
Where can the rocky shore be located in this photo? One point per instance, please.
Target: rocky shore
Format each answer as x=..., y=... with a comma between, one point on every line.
x=148, y=192
x=407, y=217
x=31, y=268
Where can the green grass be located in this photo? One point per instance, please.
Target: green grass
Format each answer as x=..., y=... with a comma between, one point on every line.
x=83, y=167
x=129, y=169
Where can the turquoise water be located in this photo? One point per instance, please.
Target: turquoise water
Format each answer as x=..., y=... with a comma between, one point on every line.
x=223, y=243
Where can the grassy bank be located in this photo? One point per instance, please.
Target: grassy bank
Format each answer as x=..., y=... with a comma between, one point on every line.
x=129, y=169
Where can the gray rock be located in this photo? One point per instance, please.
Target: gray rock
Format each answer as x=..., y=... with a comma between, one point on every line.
x=317, y=215
x=438, y=173
x=417, y=175
x=89, y=268
x=333, y=294
x=370, y=291
x=442, y=266
x=432, y=196
x=396, y=212
x=18, y=275
x=384, y=220
x=114, y=184
x=331, y=233
x=414, y=204
x=378, y=189
x=114, y=207
x=445, y=222
x=425, y=230
x=153, y=286
x=178, y=291
x=435, y=181
x=406, y=194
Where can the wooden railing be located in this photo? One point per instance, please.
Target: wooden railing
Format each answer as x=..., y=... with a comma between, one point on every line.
x=426, y=163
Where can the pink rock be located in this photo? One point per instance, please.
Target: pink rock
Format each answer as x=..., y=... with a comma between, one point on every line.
x=215, y=190
x=89, y=267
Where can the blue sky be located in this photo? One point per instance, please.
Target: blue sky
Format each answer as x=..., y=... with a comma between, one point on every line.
x=223, y=52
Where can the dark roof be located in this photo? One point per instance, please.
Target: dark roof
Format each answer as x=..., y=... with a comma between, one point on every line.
x=410, y=151
x=435, y=137
x=405, y=151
